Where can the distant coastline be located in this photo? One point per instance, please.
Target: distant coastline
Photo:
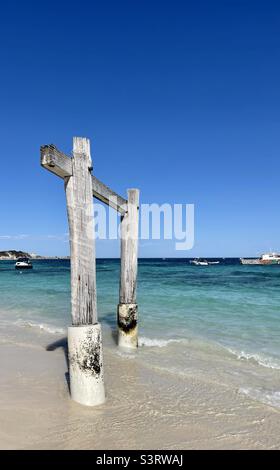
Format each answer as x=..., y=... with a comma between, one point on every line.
x=13, y=255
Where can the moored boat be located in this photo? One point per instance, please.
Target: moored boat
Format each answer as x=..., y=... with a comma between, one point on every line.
x=23, y=263
x=199, y=262
x=265, y=259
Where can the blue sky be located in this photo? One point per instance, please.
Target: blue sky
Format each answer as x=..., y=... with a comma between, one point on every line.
x=180, y=99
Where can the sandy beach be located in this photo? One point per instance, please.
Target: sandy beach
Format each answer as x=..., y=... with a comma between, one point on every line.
x=145, y=408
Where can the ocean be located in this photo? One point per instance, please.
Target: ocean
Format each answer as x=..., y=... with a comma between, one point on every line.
x=220, y=322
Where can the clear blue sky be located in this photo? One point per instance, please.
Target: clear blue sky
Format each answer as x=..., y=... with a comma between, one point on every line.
x=179, y=98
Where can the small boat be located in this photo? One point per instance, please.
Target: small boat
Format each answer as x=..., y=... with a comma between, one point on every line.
x=23, y=263
x=213, y=262
x=266, y=258
x=199, y=262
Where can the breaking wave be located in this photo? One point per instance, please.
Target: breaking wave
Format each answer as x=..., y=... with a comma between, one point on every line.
x=156, y=343
x=264, y=361
x=41, y=326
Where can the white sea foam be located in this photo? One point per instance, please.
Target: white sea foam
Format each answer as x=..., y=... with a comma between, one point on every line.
x=125, y=354
x=268, y=397
x=156, y=343
x=264, y=361
x=41, y=326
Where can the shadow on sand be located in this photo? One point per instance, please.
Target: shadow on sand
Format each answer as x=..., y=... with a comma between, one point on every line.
x=111, y=320
x=61, y=343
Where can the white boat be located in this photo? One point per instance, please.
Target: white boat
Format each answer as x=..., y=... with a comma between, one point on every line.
x=266, y=258
x=198, y=262
x=23, y=263
x=213, y=262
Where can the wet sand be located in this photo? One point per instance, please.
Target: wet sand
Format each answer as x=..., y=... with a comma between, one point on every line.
x=144, y=409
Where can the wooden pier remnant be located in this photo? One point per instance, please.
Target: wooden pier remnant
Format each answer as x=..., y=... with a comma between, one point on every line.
x=84, y=335
x=127, y=308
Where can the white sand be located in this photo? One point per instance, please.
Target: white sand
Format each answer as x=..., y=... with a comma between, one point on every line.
x=145, y=408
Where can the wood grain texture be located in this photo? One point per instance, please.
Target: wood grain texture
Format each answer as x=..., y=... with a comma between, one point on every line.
x=129, y=249
x=78, y=188
x=61, y=165
x=55, y=161
x=105, y=194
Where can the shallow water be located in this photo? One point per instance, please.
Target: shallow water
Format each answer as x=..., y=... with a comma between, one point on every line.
x=219, y=322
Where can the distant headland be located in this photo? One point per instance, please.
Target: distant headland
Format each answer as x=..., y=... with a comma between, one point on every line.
x=14, y=254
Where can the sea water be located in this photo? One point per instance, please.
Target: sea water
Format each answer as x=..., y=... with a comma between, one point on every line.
x=218, y=322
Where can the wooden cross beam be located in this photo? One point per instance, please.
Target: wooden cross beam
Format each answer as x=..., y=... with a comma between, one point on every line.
x=61, y=165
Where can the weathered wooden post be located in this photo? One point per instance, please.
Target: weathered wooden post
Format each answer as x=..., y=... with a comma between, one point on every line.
x=127, y=308
x=84, y=336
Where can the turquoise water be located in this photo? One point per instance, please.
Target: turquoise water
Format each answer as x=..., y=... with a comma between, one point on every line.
x=221, y=320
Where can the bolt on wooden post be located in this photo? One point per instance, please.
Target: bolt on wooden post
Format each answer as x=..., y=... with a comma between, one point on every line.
x=128, y=308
